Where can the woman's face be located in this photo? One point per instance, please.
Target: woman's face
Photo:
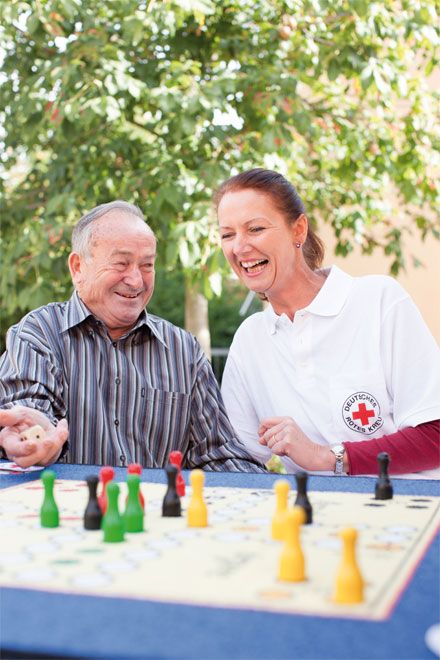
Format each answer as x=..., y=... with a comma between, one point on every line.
x=257, y=241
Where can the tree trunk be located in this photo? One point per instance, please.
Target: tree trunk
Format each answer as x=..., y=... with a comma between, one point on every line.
x=196, y=316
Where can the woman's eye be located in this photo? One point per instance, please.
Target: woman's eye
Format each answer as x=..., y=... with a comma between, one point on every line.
x=256, y=229
x=225, y=236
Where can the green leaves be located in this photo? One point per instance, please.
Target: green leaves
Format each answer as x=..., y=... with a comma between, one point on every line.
x=157, y=103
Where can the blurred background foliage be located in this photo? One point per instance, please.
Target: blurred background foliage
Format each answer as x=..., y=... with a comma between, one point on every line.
x=156, y=102
x=225, y=312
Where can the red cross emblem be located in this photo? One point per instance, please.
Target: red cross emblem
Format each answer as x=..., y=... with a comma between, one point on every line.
x=363, y=415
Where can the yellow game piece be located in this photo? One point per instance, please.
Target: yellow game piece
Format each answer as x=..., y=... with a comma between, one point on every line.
x=292, y=565
x=282, y=488
x=33, y=433
x=197, y=509
x=349, y=586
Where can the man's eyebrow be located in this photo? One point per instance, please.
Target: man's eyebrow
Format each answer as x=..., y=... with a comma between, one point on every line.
x=128, y=253
x=116, y=251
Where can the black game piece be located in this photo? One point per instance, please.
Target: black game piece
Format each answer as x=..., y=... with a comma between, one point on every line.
x=301, y=497
x=384, y=488
x=171, y=507
x=93, y=513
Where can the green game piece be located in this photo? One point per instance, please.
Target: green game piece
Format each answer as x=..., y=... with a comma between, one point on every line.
x=133, y=515
x=49, y=514
x=112, y=521
x=275, y=464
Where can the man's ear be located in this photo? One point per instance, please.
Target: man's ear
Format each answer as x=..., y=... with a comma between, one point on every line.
x=300, y=229
x=75, y=264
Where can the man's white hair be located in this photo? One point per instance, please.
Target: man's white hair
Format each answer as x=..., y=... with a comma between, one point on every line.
x=83, y=231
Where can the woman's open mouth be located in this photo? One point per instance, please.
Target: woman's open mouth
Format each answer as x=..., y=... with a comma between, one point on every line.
x=254, y=267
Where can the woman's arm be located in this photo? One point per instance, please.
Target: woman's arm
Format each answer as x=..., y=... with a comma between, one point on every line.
x=410, y=450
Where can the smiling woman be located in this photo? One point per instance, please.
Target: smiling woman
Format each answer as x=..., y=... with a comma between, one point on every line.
x=314, y=378
x=258, y=230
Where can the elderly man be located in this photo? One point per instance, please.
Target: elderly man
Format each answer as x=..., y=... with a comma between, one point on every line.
x=132, y=386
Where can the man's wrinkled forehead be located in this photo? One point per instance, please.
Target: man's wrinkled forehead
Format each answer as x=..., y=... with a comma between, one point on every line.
x=115, y=222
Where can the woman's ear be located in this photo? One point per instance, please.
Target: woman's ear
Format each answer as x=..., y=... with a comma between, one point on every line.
x=300, y=229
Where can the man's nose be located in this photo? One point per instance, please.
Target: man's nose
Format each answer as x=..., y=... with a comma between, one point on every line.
x=134, y=277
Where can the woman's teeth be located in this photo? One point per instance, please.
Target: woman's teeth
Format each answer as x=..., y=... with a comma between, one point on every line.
x=252, y=266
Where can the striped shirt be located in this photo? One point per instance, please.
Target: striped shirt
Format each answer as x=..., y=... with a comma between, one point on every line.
x=132, y=400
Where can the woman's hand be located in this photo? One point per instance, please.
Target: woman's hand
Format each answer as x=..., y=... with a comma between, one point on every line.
x=283, y=436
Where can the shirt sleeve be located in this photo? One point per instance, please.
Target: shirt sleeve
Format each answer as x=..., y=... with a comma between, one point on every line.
x=29, y=375
x=240, y=409
x=410, y=450
x=411, y=362
x=213, y=444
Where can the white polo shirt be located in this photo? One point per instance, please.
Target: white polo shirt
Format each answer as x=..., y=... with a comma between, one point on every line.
x=357, y=363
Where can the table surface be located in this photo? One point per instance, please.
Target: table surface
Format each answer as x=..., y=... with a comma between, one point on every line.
x=54, y=624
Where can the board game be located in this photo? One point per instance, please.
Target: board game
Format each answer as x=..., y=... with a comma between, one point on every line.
x=232, y=563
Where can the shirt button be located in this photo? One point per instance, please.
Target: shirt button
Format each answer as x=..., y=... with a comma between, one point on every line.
x=122, y=458
x=116, y=422
x=114, y=344
x=117, y=381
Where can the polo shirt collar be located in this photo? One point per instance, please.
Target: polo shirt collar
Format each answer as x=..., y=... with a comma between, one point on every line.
x=329, y=301
x=334, y=293
x=77, y=312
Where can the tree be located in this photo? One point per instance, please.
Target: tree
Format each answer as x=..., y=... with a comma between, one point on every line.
x=156, y=102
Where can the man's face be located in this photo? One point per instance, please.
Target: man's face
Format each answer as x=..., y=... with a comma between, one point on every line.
x=116, y=279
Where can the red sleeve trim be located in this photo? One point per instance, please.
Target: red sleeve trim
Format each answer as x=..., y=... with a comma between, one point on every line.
x=411, y=449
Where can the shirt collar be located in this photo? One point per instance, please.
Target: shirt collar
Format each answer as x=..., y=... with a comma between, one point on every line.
x=78, y=312
x=328, y=302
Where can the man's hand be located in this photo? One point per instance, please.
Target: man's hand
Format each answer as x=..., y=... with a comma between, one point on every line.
x=31, y=452
x=284, y=437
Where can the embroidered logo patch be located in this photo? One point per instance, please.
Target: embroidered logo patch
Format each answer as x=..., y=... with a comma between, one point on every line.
x=361, y=413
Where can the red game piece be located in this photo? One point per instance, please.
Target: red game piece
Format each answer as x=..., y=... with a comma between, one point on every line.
x=106, y=474
x=176, y=459
x=136, y=468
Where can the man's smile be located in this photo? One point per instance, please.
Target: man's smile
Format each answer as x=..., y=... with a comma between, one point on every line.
x=128, y=295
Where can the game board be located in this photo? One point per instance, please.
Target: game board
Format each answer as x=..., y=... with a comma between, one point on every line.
x=232, y=563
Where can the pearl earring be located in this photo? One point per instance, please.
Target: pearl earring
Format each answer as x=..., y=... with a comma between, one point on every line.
x=298, y=245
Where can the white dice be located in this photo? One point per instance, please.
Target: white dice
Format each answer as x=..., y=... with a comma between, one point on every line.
x=33, y=433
